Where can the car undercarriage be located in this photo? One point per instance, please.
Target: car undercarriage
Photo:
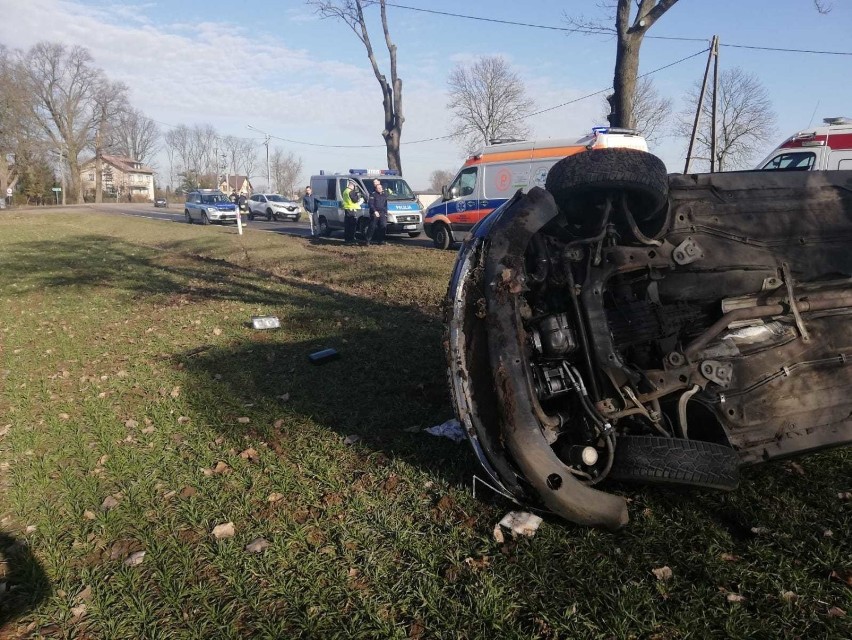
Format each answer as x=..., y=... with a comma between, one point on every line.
x=627, y=325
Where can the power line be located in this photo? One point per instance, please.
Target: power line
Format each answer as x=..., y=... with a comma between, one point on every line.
x=531, y=25
x=447, y=137
x=587, y=31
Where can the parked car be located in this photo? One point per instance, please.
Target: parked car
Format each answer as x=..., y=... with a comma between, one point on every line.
x=161, y=202
x=628, y=325
x=273, y=206
x=209, y=205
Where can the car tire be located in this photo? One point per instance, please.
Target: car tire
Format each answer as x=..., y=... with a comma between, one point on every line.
x=251, y=215
x=441, y=236
x=270, y=216
x=188, y=217
x=204, y=219
x=414, y=234
x=642, y=176
x=659, y=460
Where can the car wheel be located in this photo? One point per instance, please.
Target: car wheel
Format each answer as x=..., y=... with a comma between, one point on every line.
x=323, y=227
x=442, y=237
x=579, y=181
x=362, y=226
x=414, y=234
x=270, y=216
x=251, y=215
x=205, y=219
x=188, y=217
x=654, y=459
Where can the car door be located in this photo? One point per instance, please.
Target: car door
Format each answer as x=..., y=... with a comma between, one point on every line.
x=463, y=203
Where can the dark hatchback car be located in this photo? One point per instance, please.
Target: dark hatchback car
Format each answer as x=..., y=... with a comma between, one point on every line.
x=161, y=202
x=624, y=324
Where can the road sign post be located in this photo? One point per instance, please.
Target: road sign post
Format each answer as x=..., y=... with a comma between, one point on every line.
x=56, y=191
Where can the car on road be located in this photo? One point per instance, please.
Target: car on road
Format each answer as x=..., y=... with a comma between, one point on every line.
x=623, y=324
x=273, y=206
x=209, y=205
x=161, y=202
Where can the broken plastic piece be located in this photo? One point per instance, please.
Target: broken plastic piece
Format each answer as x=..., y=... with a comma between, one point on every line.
x=520, y=523
x=319, y=357
x=265, y=322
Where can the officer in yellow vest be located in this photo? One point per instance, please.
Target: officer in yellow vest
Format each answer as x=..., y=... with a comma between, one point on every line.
x=351, y=209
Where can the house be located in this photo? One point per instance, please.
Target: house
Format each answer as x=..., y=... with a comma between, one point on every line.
x=240, y=184
x=121, y=177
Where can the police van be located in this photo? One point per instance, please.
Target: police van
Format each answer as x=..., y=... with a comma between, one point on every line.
x=404, y=210
x=826, y=148
x=492, y=175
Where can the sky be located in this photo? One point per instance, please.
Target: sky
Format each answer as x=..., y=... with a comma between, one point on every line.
x=276, y=66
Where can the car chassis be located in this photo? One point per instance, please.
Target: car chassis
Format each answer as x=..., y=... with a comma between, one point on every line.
x=660, y=329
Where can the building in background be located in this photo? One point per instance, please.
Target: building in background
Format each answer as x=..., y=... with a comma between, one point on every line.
x=240, y=184
x=124, y=179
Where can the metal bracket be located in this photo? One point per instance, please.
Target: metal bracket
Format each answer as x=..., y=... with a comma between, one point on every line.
x=687, y=251
x=788, y=280
x=717, y=372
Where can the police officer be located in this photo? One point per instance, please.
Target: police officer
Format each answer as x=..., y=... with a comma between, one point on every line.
x=351, y=209
x=378, y=215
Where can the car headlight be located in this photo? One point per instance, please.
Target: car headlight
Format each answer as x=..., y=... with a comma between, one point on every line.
x=212, y=210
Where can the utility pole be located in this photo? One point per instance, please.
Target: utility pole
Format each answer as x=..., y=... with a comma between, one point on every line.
x=268, y=183
x=62, y=172
x=713, y=48
x=715, y=106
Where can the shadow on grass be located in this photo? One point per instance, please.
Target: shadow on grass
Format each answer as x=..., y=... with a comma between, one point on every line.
x=25, y=584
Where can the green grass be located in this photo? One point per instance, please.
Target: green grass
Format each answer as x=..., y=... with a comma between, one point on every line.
x=126, y=365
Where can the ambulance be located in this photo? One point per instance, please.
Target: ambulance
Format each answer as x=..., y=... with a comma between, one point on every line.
x=404, y=210
x=825, y=148
x=492, y=175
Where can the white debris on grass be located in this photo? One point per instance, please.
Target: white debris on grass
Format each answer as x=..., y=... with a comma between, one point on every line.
x=450, y=429
x=520, y=523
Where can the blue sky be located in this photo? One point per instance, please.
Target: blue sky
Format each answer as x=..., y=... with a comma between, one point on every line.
x=277, y=66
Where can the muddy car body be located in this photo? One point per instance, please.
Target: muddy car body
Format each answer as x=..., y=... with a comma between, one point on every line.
x=624, y=324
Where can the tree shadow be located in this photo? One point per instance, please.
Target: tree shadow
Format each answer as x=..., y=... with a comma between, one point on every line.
x=25, y=583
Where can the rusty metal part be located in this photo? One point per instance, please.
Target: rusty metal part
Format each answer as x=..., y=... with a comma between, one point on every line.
x=687, y=252
x=791, y=296
x=681, y=410
x=551, y=479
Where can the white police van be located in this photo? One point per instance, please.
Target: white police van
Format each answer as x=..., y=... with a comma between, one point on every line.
x=405, y=215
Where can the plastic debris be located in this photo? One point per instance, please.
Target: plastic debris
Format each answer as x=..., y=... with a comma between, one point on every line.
x=520, y=523
x=450, y=429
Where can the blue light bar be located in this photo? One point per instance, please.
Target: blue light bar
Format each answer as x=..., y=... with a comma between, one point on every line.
x=600, y=129
x=390, y=172
x=358, y=172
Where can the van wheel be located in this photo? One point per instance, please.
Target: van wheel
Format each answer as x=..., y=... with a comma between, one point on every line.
x=442, y=237
x=413, y=234
x=578, y=181
x=323, y=228
x=188, y=217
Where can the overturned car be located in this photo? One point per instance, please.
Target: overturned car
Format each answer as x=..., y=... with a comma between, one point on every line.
x=630, y=325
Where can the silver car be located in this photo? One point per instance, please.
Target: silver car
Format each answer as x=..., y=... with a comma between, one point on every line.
x=274, y=207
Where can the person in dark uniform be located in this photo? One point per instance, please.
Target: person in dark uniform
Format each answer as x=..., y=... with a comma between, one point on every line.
x=378, y=215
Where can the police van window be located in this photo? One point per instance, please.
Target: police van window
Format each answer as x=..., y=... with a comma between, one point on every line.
x=395, y=188
x=798, y=161
x=464, y=184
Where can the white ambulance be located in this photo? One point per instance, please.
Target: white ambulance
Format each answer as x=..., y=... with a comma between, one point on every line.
x=492, y=175
x=824, y=148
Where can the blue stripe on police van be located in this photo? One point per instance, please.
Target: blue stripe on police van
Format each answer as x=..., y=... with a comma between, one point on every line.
x=460, y=206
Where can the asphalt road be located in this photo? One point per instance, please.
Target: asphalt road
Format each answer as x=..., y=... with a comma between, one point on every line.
x=174, y=213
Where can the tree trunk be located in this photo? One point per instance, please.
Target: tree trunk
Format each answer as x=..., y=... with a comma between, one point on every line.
x=74, y=170
x=624, y=81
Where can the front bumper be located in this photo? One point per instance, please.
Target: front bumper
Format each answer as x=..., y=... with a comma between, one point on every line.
x=223, y=216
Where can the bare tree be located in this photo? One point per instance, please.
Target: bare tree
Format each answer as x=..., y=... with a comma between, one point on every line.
x=440, y=178
x=110, y=101
x=651, y=111
x=351, y=12
x=136, y=135
x=823, y=6
x=64, y=86
x=745, y=120
x=630, y=28
x=488, y=101
x=286, y=171
x=248, y=158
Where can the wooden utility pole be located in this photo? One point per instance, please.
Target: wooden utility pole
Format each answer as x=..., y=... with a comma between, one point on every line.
x=713, y=47
x=715, y=106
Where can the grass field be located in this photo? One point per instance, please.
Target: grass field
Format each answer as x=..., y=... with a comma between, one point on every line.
x=138, y=412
